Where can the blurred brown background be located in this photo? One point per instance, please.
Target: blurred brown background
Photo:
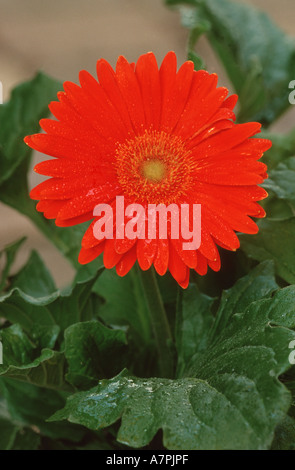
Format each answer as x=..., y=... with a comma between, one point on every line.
x=62, y=37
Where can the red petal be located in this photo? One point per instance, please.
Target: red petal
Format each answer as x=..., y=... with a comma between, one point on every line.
x=59, y=147
x=215, y=264
x=127, y=262
x=88, y=255
x=107, y=79
x=110, y=256
x=205, y=100
x=103, y=107
x=124, y=245
x=130, y=91
x=175, y=90
x=189, y=257
x=220, y=230
x=83, y=204
x=146, y=252
x=184, y=284
x=89, y=240
x=50, y=209
x=162, y=257
x=230, y=102
x=202, y=267
x=80, y=219
x=148, y=77
x=225, y=140
x=176, y=266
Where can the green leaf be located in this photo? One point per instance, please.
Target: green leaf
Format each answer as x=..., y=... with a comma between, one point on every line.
x=9, y=252
x=34, y=278
x=199, y=63
x=198, y=25
x=193, y=323
x=123, y=306
x=27, y=352
x=26, y=439
x=249, y=328
x=15, y=437
x=281, y=183
x=258, y=284
x=285, y=435
x=260, y=78
x=283, y=146
x=281, y=308
x=196, y=327
x=275, y=241
x=61, y=309
x=20, y=116
x=31, y=361
x=8, y=433
x=30, y=406
x=76, y=304
x=281, y=169
x=93, y=351
x=144, y=406
x=231, y=400
x=124, y=303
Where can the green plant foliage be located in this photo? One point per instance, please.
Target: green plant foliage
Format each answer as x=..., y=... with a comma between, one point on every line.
x=93, y=351
x=227, y=374
x=15, y=437
x=274, y=241
x=285, y=435
x=19, y=117
x=242, y=37
x=9, y=253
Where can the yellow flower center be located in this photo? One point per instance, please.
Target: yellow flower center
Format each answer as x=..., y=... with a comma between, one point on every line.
x=154, y=168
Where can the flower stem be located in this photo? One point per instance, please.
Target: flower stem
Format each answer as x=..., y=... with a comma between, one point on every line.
x=159, y=321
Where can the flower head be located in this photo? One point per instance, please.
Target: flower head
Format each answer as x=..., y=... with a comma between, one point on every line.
x=155, y=136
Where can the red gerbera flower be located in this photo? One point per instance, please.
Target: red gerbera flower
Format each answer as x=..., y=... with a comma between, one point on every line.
x=153, y=136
